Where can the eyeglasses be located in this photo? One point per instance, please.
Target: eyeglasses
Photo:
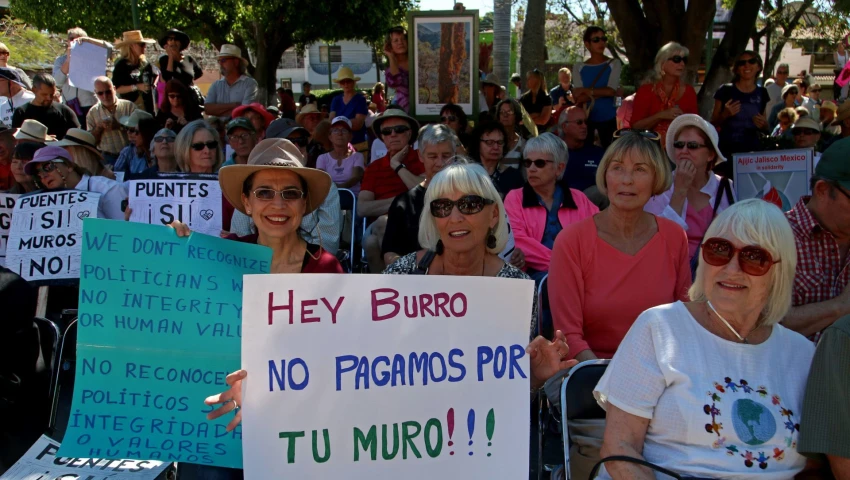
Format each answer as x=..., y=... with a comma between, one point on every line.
x=754, y=260
x=133, y=131
x=105, y=92
x=173, y=95
x=242, y=137
x=688, y=145
x=268, y=194
x=467, y=205
x=506, y=113
x=339, y=131
x=539, y=163
x=212, y=145
x=48, y=167
x=782, y=72
x=300, y=141
x=603, y=38
x=450, y=118
x=399, y=129
x=678, y=59
x=648, y=134
x=751, y=61
x=577, y=122
x=491, y=143
x=815, y=90
x=803, y=131
x=163, y=140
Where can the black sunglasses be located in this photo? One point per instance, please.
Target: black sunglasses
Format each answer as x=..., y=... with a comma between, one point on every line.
x=105, y=92
x=603, y=38
x=134, y=131
x=300, y=141
x=648, y=134
x=397, y=129
x=539, y=162
x=690, y=145
x=467, y=205
x=751, y=61
x=678, y=59
x=212, y=145
x=450, y=118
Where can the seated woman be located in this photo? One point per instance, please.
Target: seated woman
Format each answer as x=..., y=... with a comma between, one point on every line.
x=728, y=342
x=488, y=146
x=344, y=164
x=546, y=204
x=598, y=277
x=135, y=158
x=455, y=118
x=179, y=108
x=53, y=169
x=22, y=155
x=162, y=148
x=197, y=149
x=697, y=195
x=509, y=114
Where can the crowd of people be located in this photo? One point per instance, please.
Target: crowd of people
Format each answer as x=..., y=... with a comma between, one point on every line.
x=625, y=208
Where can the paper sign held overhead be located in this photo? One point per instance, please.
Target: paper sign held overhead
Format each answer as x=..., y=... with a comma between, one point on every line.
x=381, y=376
x=88, y=61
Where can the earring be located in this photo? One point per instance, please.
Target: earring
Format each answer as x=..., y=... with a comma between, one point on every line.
x=491, y=240
x=440, y=247
x=248, y=212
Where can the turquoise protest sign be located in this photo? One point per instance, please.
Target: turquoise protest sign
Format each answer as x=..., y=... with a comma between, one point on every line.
x=159, y=330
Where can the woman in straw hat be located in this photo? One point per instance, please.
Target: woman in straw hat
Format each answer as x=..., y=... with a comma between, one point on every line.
x=133, y=75
x=174, y=64
x=276, y=191
x=350, y=105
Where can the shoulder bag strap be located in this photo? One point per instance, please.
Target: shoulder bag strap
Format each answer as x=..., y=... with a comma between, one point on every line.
x=424, y=263
x=623, y=458
x=601, y=71
x=724, y=189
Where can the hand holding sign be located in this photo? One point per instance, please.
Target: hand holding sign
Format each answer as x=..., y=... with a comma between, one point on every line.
x=192, y=200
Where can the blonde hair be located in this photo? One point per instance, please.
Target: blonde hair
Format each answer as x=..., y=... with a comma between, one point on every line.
x=471, y=179
x=127, y=53
x=756, y=222
x=634, y=144
x=87, y=159
x=665, y=53
x=183, y=145
x=539, y=75
x=789, y=112
x=567, y=71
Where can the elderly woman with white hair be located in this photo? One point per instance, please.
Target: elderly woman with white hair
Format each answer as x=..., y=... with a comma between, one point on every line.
x=713, y=388
x=665, y=97
x=546, y=204
x=697, y=195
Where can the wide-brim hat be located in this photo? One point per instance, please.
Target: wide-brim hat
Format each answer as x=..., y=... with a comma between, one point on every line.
x=308, y=109
x=12, y=75
x=788, y=87
x=841, y=114
x=134, y=118
x=133, y=36
x=691, y=120
x=184, y=39
x=268, y=118
x=345, y=73
x=77, y=137
x=396, y=113
x=279, y=154
x=829, y=105
x=807, y=122
x=228, y=50
x=491, y=79
x=47, y=154
x=33, y=131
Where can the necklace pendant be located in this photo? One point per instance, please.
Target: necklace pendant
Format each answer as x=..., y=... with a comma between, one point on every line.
x=745, y=341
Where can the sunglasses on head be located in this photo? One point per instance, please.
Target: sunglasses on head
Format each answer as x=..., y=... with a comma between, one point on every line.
x=603, y=38
x=754, y=260
x=648, y=134
x=679, y=145
x=399, y=129
x=678, y=59
x=450, y=118
x=212, y=145
x=268, y=194
x=751, y=61
x=467, y=205
x=538, y=162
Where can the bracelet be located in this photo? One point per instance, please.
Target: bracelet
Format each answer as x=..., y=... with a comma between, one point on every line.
x=135, y=88
x=399, y=167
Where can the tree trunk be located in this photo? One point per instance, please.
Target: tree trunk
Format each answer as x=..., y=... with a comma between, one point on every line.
x=634, y=28
x=533, y=39
x=775, y=50
x=738, y=33
x=446, y=88
x=697, y=22
x=501, y=40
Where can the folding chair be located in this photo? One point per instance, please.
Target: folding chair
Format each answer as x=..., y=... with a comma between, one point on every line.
x=48, y=335
x=577, y=401
x=544, y=313
x=63, y=386
x=347, y=201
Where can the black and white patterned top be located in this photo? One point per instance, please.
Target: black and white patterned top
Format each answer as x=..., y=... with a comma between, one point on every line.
x=406, y=265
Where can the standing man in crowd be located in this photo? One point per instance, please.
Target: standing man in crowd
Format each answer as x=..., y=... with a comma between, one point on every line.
x=79, y=99
x=584, y=157
x=234, y=88
x=4, y=63
x=775, y=89
x=102, y=120
x=13, y=94
x=57, y=117
x=306, y=97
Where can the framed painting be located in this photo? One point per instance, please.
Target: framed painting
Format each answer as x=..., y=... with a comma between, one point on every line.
x=444, y=62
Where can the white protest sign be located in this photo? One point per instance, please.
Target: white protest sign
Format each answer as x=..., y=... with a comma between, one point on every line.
x=7, y=204
x=194, y=201
x=41, y=462
x=780, y=177
x=380, y=376
x=45, y=238
x=88, y=61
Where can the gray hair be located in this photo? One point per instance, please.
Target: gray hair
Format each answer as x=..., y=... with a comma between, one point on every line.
x=784, y=65
x=163, y=133
x=756, y=222
x=76, y=32
x=183, y=144
x=431, y=135
x=665, y=53
x=471, y=179
x=104, y=80
x=549, y=144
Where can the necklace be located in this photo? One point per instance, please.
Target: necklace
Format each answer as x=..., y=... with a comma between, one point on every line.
x=742, y=339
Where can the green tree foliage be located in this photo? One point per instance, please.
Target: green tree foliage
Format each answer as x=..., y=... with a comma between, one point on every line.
x=265, y=27
x=31, y=49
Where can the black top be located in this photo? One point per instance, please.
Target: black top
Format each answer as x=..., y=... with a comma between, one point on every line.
x=57, y=117
x=191, y=114
x=125, y=74
x=305, y=99
x=535, y=104
x=402, y=233
x=507, y=180
x=187, y=71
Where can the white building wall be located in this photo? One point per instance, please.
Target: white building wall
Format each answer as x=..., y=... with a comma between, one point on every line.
x=355, y=55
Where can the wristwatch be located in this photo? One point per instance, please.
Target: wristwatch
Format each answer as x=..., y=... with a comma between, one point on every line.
x=399, y=167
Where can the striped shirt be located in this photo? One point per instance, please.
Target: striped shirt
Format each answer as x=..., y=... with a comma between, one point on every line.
x=114, y=140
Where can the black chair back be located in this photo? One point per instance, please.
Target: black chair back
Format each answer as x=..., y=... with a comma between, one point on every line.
x=581, y=405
